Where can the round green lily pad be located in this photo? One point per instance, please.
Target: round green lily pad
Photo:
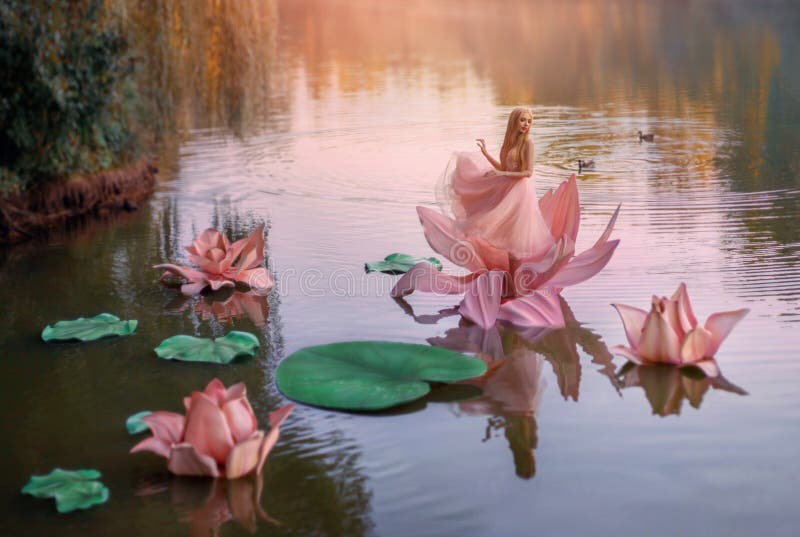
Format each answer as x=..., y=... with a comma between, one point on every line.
x=400, y=263
x=219, y=351
x=89, y=329
x=370, y=375
x=134, y=423
x=72, y=489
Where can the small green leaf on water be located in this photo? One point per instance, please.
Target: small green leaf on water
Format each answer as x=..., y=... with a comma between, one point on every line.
x=72, y=489
x=399, y=263
x=134, y=423
x=370, y=375
x=219, y=351
x=89, y=329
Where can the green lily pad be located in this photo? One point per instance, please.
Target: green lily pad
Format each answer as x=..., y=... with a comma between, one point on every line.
x=83, y=329
x=370, y=375
x=400, y=263
x=72, y=489
x=219, y=351
x=134, y=423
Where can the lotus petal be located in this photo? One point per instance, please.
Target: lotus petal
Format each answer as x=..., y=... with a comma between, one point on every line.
x=540, y=309
x=695, y=344
x=583, y=266
x=167, y=428
x=685, y=313
x=445, y=239
x=240, y=416
x=633, y=321
x=251, y=253
x=207, y=429
x=659, y=342
x=481, y=303
x=630, y=354
x=184, y=459
x=561, y=210
x=424, y=277
x=720, y=325
x=603, y=238
x=276, y=419
x=709, y=367
x=244, y=456
x=258, y=279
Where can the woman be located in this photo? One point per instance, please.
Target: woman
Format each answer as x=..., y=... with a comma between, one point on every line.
x=498, y=205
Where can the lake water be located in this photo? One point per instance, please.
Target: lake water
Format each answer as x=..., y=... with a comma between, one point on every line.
x=361, y=106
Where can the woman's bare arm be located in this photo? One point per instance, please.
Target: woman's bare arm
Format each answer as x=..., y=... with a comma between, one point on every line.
x=522, y=173
x=482, y=144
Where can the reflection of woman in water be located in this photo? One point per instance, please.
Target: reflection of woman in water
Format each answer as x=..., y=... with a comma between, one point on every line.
x=497, y=204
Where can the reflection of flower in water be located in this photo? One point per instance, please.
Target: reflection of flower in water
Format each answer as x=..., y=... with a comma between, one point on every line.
x=225, y=306
x=205, y=511
x=666, y=386
x=513, y=382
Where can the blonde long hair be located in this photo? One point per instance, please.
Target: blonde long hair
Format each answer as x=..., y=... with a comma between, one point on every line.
x=514, y=140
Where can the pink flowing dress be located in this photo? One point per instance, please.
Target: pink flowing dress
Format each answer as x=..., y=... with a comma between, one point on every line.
x=502, y=211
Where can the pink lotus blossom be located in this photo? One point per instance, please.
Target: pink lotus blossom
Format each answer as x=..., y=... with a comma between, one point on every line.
x=222, y=264
x=218, y=435
x=521, y=292
x=670, y=334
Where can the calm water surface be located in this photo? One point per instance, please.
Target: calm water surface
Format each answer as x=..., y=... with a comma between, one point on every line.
x=363, y=104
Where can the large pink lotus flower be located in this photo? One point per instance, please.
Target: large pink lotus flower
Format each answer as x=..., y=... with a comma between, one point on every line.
x=222, y=264
x=218, y=436
x=669, y=333
x=521, y=292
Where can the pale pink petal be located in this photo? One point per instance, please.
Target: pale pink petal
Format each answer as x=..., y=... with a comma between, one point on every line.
x=695, y=344
x=187, y=273
x=481, y=302
x=258, y=279
x=633, y=321
x=277, y=417
x=625, y=352
x=424, y=277
x=244, y=456
x=166, y=426
x=266, y=446
x=720, y=325
x=216, y=391
x=561, y=210
x=207, y=429
x=609, y=228
x=252, y=251
x=659, y=343
x=241, y=418
x=685, y=313
x=709, y=367
x=154, y=445
x=539, y=309
x=583, y=266
x=672, y=316
x=184, y=459
x=528, y=275
x=446, y=240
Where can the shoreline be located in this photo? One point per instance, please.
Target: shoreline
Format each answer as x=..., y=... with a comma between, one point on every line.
x=44, y=208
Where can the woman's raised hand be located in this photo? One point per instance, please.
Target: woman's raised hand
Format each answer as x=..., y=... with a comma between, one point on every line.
x=481, y=144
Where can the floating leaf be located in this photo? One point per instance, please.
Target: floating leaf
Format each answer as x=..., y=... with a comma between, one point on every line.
x=134, y=423
x=84, y=329
x=370, y=375
x=72, y=489
x=220, y=351
x=399, y=263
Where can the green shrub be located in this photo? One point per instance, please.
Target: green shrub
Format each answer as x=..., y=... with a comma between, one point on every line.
x=65, y=93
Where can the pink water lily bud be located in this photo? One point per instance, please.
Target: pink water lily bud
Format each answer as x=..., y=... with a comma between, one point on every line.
x=218, y=436
x=669, y=332
x=222, y=264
